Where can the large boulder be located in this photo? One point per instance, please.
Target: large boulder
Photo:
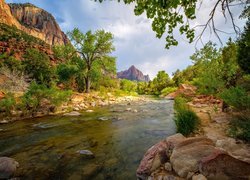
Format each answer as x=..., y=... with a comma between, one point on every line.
x=152, y=160
x=8, y=167
x=220, y=165
x=187, y=154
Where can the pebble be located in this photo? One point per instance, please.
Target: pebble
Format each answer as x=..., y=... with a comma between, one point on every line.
x=89, y=111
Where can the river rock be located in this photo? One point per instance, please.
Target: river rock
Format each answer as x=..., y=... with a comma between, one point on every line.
x=152, y=160
x=103, y=118
x=73, y=113
x=168, y=167
x=199, y=177
x=220, y=165
x=86, y=153
x=8, y=167
x=187, y=154
x=89, y=111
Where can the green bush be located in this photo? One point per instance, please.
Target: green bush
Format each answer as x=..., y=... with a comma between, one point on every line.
x=37, y=66
x=236, y=97
x=37, y=94
x=180, y=103
x=186, y=121
x=7, y=104
x=168, y=90
x=127, y=85
x=240, y=127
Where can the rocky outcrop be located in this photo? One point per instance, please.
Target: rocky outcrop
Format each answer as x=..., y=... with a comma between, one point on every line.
x=190, y=158
x=33, y=21
x=185, y=89
x=133, y=74
x=8, y=167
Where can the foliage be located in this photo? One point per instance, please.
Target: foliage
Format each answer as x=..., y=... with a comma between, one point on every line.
x=127, y=85
x=93, y=50
x=168, y=90
x=39, y=93
x=236, y=97
x=14, y=80
x=244, y=49
x=168, y=15
x=10, y=62
x=180, y=103
x=186, y=121
x=37, y=66
x=240, y=127
x=66, y=73
x=7, y=104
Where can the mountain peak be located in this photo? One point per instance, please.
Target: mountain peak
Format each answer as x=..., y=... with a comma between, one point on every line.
x=133, y=74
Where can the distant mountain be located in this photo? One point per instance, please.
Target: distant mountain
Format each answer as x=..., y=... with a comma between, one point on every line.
x=133, y=74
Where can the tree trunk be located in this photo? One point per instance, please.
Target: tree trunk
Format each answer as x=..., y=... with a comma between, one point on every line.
x=87, y=81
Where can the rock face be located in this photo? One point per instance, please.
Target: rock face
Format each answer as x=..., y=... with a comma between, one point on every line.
x=34, y=21
x=8, y=167
x=133, y=74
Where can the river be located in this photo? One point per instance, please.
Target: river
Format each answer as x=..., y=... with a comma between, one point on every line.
x=118, y=136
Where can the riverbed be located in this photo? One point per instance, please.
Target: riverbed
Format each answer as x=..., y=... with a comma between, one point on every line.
x=54, y=147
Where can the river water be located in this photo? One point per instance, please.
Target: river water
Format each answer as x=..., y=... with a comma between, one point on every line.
x=117, y=135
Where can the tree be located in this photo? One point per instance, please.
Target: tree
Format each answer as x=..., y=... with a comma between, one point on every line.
x=37, y=66
x=244, y=49
x=93, y=50
x=168, y=15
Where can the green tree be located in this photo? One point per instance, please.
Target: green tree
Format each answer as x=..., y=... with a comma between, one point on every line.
x=93, y=50
x=244, y=49
x=37, y=66
x=127, y=85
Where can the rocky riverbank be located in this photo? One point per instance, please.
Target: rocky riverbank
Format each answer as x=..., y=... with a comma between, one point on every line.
x=209, y=154
x=78, y=102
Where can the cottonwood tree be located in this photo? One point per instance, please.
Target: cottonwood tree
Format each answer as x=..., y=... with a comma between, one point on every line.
x=93, y=50
x=168, y=15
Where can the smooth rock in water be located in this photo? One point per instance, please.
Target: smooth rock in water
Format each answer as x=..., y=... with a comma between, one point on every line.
x=152, y=160
x=128, y=109
x=220, y=165
x=199, y=177
x=73, y=113
x=135, y=111
x=187, y=154
x=168, y=167
x=86, y=153
x=8, y=167
x=4, y=122
x=103, y=118
x=89, y=111
x=76, y=109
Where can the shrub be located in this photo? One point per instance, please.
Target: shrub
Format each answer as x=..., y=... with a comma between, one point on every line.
x=168, y=90
x=240, y=127
x=37, y=66
x=236, y=97
x=7, y=104
x=180, y=103
x=38, y=94
x=127, y=85
x=13, y=80
x=186, y=121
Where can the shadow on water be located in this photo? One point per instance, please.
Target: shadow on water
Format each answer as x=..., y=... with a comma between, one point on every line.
x=118, y=136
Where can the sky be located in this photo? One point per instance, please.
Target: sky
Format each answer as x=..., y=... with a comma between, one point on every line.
x=135, y=41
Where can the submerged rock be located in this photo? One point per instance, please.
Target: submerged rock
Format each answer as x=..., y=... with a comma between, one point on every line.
x=103, y=118
x=91, y=170
x=86, y=153
x=73, y=113
x=8, y=167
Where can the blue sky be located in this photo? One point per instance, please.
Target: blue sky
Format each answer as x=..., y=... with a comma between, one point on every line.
x=134, y=40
